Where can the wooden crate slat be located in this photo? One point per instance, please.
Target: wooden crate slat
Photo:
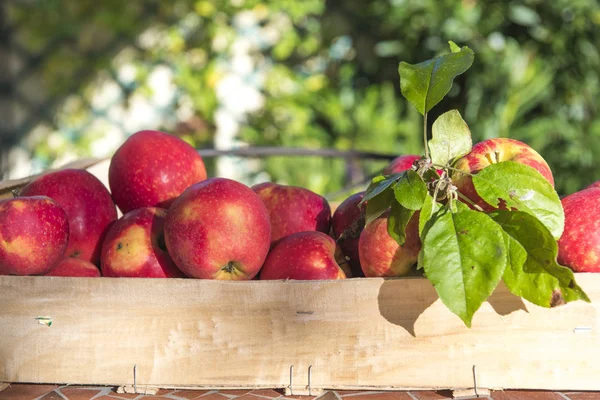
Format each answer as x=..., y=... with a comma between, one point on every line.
x=356, y=333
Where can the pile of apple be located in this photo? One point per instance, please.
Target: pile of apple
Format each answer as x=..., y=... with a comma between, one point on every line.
x=178, y=223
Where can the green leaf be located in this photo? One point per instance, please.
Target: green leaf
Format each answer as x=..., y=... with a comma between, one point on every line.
x=397, y=221
x=513, y=185
x=532, y=271
x=425, y=84
x=450, y=138
x=453, y=47
x=410, y=191
x=379, y=204
x=430, y=207
x=379, y=196
x=378, y=185
x=464, y=256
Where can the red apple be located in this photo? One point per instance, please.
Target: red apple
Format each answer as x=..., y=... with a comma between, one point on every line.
x=401, y=163
x=579, y=245
x=594, y=185
x=151, y=169
x=348, y=219
x=88, y=204
x=493, y=151
x=303, y=256
x=74, y=267
x=218, y=229
x=380, y=255
x=293, y=209
x=134, y=246
x=34, y=232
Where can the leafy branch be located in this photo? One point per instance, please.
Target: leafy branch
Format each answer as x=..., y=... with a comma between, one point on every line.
x=466, y=251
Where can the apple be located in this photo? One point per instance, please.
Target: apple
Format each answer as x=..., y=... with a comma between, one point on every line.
x=34, y=233
x=303, y=256
x=594, y=185
x=348, y=219
x=88, y=204
x=293, y=209
x=151, y=169
x=134, y=246
x=381, y=256
x=579, y=245
x=493, y=151
x=74, y=267
x=400, y=163
x=218, y=229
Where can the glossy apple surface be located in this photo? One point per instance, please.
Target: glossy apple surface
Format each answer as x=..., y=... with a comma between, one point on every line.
x=88, y=205
x=34, y=233
x=151, y=169
x=74, y=267
x=134, y=246
x=381, y=256
x=218, y=229
x=293, y=209
x=307, y=255
x=348, y=219
x=493, y=151
x=579, y=245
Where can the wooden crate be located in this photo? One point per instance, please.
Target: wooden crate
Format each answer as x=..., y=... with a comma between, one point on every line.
x=367, y=333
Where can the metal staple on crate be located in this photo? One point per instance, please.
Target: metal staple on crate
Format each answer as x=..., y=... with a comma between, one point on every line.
x=475, y=380
x=309, y=379
x=291, y=380
x=135, y=378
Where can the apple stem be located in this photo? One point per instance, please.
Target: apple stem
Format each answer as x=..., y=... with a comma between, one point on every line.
x=437, y=187
x=468, y=200
x=453, y=169
x=425, y=135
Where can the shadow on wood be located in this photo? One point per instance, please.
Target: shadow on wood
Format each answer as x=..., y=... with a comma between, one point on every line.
x=504, y=302
x=405, y=308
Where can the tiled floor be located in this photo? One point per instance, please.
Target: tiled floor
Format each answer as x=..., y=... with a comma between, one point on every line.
x=52, y=392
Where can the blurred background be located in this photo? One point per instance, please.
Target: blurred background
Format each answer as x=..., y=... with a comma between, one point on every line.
x=77, y=77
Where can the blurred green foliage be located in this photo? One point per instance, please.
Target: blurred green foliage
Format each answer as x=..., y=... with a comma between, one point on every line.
x=330, y=78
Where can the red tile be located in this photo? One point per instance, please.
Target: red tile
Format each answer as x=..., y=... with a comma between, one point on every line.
x=343, y=393
x=299, y=397
x=162, y=392
x=154, y=397
x=526, y=395
x=51, y=396
x=105, y=397
x=123, y=395
x=432, y=395
x=249, y=396
x=79, y=393
x=20, y=391
x=267, y=393
x=214, y=396
x=234, y=392
x=381, y=396
x=329, y=396
x=583, y=395
x=190, y=394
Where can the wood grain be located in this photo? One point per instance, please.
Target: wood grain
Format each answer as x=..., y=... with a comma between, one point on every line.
x=356, y=334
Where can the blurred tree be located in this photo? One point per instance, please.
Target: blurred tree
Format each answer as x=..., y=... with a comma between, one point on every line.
x=321, y=74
